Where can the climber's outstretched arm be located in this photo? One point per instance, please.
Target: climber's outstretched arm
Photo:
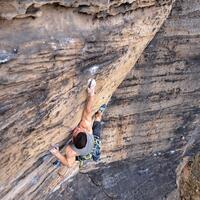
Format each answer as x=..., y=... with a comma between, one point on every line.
x=67, y=160
x=86, y=120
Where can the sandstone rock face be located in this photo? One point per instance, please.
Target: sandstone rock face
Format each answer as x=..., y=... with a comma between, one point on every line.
x=152, y=122
x=48, y=50
x=189, y=182
x=98, y=9
x=158, y=103
x=188, y=171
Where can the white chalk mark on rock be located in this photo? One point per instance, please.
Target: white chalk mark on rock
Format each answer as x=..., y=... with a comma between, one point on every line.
x=53, y=46
x=4, y=60
x=93, y=69
x=68, y=40
x=143, y=171
x=5, y=56
x=172, y=151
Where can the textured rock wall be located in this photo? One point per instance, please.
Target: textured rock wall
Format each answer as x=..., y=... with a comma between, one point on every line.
x=48, y=50
x=189, y=181
x=152, y=121
x=158, y=103
x=98, y=9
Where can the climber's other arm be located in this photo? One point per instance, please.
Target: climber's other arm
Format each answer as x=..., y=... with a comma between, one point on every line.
x=67, y=160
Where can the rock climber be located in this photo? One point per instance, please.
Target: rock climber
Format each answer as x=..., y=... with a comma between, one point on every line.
x=86, y=136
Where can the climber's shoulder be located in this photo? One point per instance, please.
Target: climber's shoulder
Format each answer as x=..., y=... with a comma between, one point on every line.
x=86, y=126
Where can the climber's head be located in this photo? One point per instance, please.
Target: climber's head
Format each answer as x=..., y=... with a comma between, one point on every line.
x=80, y=140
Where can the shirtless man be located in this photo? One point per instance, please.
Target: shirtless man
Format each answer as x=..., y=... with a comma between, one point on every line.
x=83, y=135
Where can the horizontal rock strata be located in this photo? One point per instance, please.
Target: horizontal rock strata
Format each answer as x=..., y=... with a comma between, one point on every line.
x=95, y=8
x=152, y=121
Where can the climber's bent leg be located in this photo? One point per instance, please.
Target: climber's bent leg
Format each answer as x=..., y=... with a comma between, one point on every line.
x=97, y=125
x=97, y=128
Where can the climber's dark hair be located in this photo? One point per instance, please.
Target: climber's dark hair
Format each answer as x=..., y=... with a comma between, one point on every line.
x=80, y=140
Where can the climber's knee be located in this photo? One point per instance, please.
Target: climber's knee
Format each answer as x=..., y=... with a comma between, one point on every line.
x=98, y=116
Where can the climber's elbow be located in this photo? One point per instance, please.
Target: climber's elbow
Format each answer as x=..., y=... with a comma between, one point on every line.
x=69, y=162
x=66, y=163
x=69, y=165
x=70, y=158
